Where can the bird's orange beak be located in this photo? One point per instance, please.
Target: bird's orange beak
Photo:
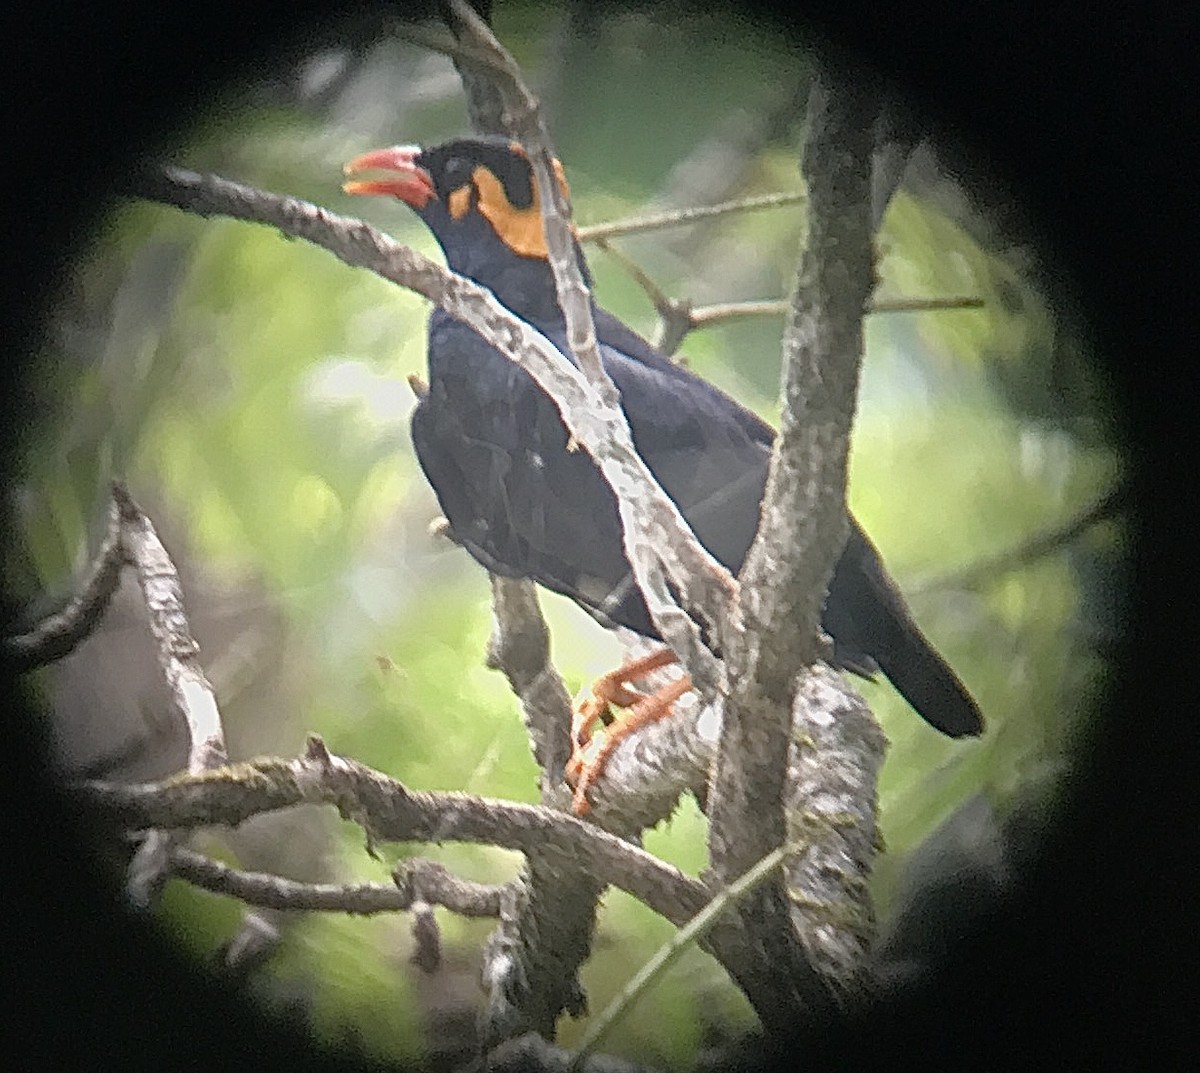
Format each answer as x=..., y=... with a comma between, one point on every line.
x=408, y=181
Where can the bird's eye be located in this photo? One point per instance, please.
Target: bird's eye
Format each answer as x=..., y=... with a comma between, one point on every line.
x=457, y=169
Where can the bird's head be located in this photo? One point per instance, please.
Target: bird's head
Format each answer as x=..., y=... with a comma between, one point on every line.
x=480, y=199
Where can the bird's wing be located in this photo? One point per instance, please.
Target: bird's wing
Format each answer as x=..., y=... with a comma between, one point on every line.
x=695, y=441
x=495, y=450
x=615, y=333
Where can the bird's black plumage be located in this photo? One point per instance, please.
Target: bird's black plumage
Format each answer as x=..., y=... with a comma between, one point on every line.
x=495, y=449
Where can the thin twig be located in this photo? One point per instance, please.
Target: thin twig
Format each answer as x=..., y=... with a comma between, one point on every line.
x=680, y=217
x=417, y=880
x=671, y=951
x=989, y=570
x=706, y=316
x=924, y=305
x=58, y=634
x=674, y=314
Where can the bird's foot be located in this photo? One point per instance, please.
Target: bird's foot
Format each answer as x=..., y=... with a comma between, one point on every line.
x=590, y=754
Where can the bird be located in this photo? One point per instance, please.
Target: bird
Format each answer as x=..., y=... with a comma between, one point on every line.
x=525, y=504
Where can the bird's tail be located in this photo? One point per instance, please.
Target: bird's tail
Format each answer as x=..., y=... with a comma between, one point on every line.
x=927, y=682
x=868, y=617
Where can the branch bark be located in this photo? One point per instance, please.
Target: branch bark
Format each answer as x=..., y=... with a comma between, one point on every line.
x=660, y=546
x=775, y=631
x=531, y=961
x=178, y=657
x=417, y=880
x=58, y=634
x=388, y=811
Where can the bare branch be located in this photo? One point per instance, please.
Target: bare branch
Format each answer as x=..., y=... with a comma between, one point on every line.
x=178, y=657
x=178, y=653
x=416, y=880
x=252, y=944
x=985, y=571
x=802, y=531
x=388, y=811
x=924, y=305
x=706, y=316
x=674, y=314
x=520, y=647
x=531, y=961
x=680, y=217
x=57, y=635
x=659, y=545
x=485, y=104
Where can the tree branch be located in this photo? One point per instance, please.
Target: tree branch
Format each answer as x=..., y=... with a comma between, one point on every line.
x=178, y=652
x=417, y=880
x=786, y=574
x=676, y=555
x=636, y=225
x=388, y=811
x=178, y=657
x=984, y=571
x=531, y=961
x=58, y=634
x=520, y=647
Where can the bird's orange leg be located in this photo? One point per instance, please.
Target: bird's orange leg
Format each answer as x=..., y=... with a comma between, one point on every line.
x=643, y=709
x=608, y=690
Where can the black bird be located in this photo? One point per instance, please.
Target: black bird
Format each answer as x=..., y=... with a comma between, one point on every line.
x=495, y=449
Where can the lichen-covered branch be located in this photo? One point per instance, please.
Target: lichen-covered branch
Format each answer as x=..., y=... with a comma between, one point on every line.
x=775, y=635
x=388, y=811
x=830, y=808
